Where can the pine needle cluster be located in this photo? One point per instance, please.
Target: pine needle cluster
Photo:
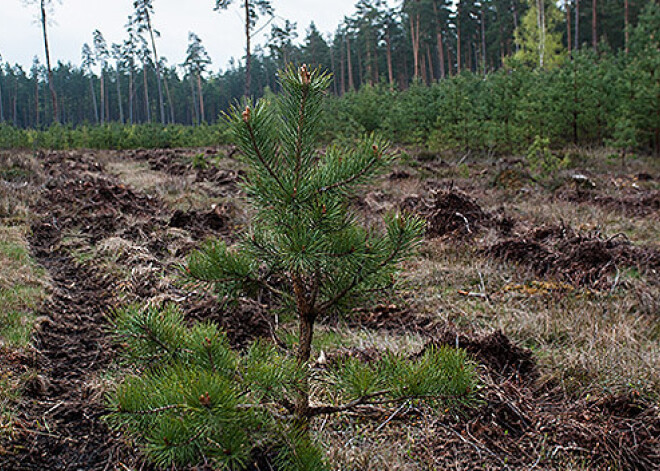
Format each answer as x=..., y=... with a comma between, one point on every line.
x=192, y=397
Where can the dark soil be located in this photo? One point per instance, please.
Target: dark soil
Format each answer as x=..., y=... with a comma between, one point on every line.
x=60, y=417
x=59, y=422
x=522, y=423
x=391, y=318
x=454, y=213
x=495, y=351
x=201, y=223
x=519, y=426
x=243, y=323
x=586, y=260
x=641, y=203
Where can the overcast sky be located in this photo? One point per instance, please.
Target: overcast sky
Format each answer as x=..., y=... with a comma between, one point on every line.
x=221, y=32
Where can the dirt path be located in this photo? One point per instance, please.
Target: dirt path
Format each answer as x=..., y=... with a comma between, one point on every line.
x=59, y=425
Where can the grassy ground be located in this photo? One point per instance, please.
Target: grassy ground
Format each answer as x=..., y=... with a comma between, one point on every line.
x=589, y=342
x=23, y=284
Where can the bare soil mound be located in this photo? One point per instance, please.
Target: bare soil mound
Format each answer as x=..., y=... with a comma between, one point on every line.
x=501, y=356
x=641, y=203
x=391, y=318
x=519, y=428
x=243, y=323
x=454, y=213
x=201, y=223
x=580, y=259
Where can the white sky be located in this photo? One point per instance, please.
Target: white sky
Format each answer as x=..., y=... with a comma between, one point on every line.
x=221, y=32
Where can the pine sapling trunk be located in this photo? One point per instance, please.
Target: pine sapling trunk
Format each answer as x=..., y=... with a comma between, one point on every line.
x=306, y=318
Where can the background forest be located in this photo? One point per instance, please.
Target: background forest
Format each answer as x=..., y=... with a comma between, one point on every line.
x=478, y=75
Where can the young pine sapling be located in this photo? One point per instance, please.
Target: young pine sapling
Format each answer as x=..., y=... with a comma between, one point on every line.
x=194, y=398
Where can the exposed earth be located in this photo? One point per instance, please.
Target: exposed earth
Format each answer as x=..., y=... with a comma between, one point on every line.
x=532, y=281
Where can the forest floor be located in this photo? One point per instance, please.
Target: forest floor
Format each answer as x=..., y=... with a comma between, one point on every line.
x=553, y=286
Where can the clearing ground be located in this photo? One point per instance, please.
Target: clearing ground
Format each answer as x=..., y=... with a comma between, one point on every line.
x=553, y=286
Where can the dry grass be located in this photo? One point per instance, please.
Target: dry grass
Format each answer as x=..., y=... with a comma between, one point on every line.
x=23, y=285
x=591, y=343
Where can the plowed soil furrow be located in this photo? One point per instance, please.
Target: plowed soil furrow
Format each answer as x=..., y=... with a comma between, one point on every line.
x=60, y=425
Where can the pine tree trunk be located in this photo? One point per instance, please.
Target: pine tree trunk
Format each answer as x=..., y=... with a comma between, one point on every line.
x=390, y=71
x=515, y=21
x=107, y=105
x=567, y=5
x=201, y=98
x=483, y=39
x=458, y=39
x=342, y=68
x=594, y=25
x=146, y=93
x=351, y=84
x=130, y=95
x=369, y=65
x=414, y=33
x=248, y=54
x=375, y=73
x=15, y=107
x=430, y=63
x=102, y=97
x=575, y=104
x=2, y=110
x=626, y=24
x=169, y=100
x=422, y=66
x=194, y=101
x=540, y=6
x=577, y=25
x=51, y=86
x=119, y=100
x=36, y=100
x=360, y=64
x=161, y=100
x=334, y=71
x=91, y=89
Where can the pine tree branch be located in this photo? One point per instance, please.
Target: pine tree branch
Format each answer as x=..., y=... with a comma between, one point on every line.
x=263, y=161
x=365, y=401
x=352, y=178
x=299, y=133
x=157, y=410
x=244, y=279
x=359, y=277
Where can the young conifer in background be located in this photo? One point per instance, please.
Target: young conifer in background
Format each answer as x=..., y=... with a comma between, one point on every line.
x=194, y=398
